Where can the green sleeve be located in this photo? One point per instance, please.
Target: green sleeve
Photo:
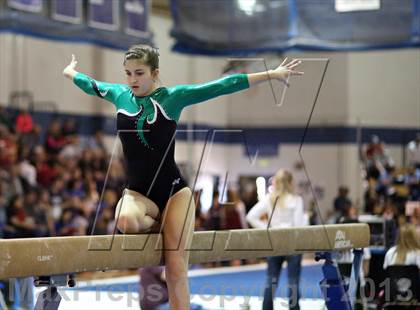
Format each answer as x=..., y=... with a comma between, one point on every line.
x=103, y=90
x=185, y=95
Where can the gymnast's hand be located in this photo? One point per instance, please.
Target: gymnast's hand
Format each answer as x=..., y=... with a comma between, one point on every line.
x=281, y=73
x=286, y=69
x=70, y=70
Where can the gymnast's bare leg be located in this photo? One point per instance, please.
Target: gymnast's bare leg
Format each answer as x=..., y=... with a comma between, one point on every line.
x=178, y=228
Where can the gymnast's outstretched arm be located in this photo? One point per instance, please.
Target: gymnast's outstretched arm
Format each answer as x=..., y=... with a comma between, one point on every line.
x=91, y=86
x=184, y=95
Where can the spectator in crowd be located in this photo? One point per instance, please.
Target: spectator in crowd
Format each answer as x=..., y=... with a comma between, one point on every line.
x=105, y=223
x=413, y=152
x=285, y=209
x=16, y=185
x=8, y=147
x=86, y=158
x=313, y=213
x=407, y=249
x=248, y=192
x=351, y=214
x=55, y=139
x=214, y=219
x=101, y=213
x=27, y=170
x=46, y=168
x=27, y=130
x=415, y=219
x=34, y=210
x=76, y=186
x=371, y=198
x=369, y=155
x=5, y=119
x=234, y=211
x=413, y=183
x=234, y=215
x=214, y=215
x=44, y=214
x=70, y=127
x=389, y=211
x=19, y=222
x=341, y=202
x=96, y=141
x=34, y=138
x=73, y=147
x=91, y=197
x=30, y=200
x=57, y=196
x=376, y=158
x=24, y=123
x=72, y=222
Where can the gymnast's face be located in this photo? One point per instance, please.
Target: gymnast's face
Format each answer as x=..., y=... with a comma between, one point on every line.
x=140, y=78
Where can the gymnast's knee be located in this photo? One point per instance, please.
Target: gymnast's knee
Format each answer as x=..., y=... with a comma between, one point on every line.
x=127, y=224
x=132, y=224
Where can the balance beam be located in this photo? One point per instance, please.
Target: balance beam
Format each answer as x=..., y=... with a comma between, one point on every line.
x=67, y=255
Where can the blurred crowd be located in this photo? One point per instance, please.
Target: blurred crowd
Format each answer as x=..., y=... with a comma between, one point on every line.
x=390, y=192
x=52, y=185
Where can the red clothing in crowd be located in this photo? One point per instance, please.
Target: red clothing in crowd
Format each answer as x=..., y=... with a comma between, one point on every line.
x=24, y=123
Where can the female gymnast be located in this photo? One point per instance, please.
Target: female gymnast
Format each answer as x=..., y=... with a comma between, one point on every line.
x=147, y=117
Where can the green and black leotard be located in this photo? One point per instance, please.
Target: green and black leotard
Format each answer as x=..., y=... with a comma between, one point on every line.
x=147, y=125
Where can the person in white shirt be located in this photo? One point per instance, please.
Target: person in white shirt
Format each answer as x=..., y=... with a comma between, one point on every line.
x=407, y=250
x=413, y=152
x=282, y=208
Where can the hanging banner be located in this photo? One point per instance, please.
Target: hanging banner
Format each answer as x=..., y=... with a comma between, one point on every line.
x=104, y=14
x=69, y=11
x=136, y=14
x=34, y=6
x=114, y=24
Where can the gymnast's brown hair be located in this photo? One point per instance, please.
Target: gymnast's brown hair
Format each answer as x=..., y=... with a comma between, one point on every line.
x=145, y=53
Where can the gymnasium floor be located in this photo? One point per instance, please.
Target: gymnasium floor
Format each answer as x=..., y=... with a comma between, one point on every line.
x=213, y=288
